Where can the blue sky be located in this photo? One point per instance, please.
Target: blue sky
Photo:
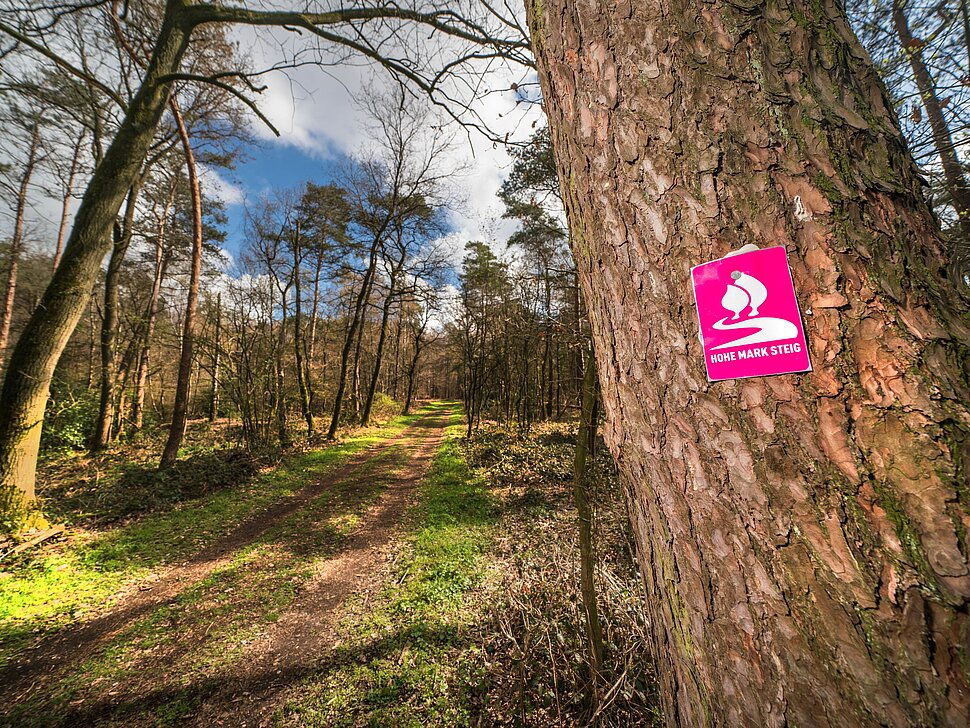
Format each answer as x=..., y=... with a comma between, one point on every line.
x=268, y=166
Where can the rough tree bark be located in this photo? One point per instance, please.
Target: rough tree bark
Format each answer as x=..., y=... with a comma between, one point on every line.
x=803, y=538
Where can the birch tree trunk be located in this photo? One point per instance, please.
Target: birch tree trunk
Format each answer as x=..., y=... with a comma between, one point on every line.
x=803, y=538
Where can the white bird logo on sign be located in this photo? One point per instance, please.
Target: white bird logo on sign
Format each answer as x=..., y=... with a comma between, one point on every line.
x=748, y=292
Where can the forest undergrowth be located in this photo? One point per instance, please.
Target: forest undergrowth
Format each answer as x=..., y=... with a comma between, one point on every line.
x=533, y=637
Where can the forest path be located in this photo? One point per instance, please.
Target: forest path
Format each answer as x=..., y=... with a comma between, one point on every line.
x=215, y=639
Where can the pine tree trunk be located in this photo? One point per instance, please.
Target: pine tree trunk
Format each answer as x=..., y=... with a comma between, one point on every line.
x=802, y=537
x=66, y=201
x=180, y=407
x=32, y=363
x=216, y=362
x=17, y=241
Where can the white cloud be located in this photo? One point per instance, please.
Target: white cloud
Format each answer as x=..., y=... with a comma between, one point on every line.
x=217, y=186
x=315, y=112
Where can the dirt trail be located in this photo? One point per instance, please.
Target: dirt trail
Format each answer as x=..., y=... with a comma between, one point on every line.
x=290, y=646
x=305, y=632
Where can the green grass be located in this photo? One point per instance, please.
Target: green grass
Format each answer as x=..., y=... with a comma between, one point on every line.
x=406, y=660
x=171, y=660
x=61, y=584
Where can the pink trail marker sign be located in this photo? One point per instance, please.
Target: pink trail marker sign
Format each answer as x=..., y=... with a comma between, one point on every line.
x=749, y=317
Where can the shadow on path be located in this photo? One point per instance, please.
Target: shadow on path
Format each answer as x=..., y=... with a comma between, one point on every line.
x=72, y=646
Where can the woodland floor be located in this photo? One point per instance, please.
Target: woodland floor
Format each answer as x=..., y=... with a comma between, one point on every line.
x=380, y=581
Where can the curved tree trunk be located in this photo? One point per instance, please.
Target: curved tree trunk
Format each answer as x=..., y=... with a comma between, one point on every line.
x=803, y=538
x=31, y=366
x=180, y=408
